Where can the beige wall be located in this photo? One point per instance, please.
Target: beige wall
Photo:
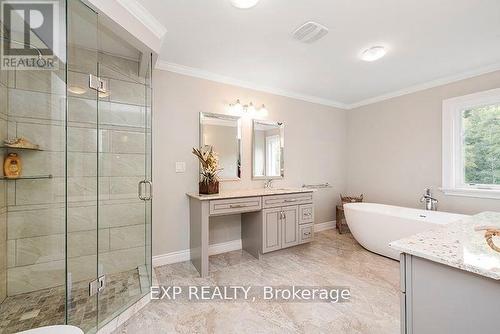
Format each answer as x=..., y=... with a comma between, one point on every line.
x=315, y=151
x=395, y=148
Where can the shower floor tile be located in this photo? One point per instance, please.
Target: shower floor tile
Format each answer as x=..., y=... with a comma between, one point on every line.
x=47, y=307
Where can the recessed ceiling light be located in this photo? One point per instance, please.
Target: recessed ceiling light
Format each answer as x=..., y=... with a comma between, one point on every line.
x=244, y=4
x=373, y=53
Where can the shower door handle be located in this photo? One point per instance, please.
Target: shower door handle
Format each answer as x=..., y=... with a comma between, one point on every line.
x=142, y=186
x=139, y=190
x=150, y=192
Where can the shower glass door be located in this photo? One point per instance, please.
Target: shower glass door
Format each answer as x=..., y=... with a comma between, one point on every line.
x=108, y=159
x=124, y=160
x=82, y=180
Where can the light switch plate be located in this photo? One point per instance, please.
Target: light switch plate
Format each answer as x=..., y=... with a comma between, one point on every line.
x=180, y=167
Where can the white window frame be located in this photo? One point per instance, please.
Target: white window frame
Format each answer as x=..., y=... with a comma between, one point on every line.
x=452, y=163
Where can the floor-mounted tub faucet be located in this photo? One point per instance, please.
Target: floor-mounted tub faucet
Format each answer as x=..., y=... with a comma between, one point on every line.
x=430, y=202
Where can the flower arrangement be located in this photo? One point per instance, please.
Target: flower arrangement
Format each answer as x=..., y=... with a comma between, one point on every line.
x=209, y=183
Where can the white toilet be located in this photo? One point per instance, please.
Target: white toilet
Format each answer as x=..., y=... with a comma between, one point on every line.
x=58, y=329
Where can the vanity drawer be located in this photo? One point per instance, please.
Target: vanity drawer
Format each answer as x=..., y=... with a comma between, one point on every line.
x=306, y=233
x=288, y=199
x=235, y=205
x=306, y=213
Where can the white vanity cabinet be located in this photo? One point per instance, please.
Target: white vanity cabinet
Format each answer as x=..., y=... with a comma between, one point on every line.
x=290, y=226
x=438, y=299
x=270, y=220
x=280, y=228
x=287, y=226
x=271, y=229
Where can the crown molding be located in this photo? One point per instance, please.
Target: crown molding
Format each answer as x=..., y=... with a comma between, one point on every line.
x=202, y=74
x=144, y=16
x=430, y=84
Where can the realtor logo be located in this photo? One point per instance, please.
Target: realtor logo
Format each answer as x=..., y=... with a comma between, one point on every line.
x=30, y=37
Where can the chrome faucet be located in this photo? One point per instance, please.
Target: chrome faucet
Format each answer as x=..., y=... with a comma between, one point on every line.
x=430, y=202
x=268, y=184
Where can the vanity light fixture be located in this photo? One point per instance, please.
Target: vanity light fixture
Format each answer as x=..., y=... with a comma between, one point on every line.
x=236, y=108
x=263, y=111
x=248, y=109
x=373, y=53
x=244, y=4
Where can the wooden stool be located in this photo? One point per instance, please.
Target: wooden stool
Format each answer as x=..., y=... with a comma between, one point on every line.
x=341, y=222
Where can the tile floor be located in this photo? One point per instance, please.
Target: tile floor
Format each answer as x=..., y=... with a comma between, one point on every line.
x=47, y=307
x=332, y=260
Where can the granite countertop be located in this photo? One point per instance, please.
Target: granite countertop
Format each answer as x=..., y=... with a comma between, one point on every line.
x=250, y=193
x=458, y=245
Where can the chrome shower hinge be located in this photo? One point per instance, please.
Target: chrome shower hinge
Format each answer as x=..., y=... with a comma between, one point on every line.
x=97, y=285
x=98, y=84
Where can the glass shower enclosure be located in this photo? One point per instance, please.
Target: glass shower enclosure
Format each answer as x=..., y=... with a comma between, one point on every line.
x=75, y=198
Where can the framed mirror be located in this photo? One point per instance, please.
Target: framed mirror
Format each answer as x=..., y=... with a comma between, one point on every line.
x=223, y=133
x=267, y=150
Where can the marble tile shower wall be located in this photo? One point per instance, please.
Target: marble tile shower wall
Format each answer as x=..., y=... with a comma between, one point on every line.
x=3, y=203
x=36, y=212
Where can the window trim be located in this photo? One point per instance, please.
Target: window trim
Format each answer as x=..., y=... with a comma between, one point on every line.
x=452, y=153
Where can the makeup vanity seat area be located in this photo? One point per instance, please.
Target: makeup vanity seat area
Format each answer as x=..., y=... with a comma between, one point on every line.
x=270, y=220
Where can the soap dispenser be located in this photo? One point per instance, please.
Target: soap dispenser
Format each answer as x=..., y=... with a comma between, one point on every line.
x=12, y=166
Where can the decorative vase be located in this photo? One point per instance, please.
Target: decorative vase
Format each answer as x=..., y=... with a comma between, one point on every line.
x=12, y=166
x=209, y=188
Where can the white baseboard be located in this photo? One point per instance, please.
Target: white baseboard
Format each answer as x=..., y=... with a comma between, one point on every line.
x=184, y=255
x=224, y=247
x=318, y=227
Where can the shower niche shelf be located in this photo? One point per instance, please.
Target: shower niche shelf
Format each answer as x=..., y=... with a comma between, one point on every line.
x=20, y=148
x=33, y=177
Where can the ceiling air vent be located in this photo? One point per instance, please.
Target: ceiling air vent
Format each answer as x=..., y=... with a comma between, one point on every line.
x=310, y=32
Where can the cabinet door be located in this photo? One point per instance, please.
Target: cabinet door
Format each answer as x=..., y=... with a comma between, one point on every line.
x=290, y=226
x=271, y=230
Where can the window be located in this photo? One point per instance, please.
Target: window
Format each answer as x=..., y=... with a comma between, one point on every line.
x=273, y=155
x=471, y=145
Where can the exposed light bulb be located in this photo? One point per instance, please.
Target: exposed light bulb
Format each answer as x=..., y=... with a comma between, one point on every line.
x=373, y=53
x=236, y=107
x=244, y=4
x=251, y=109
x=263, y=111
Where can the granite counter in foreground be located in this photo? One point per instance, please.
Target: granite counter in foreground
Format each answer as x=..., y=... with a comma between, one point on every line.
x=458, y=245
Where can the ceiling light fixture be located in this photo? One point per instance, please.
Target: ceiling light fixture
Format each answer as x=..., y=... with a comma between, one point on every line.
x=244, y=4
x=373, y=53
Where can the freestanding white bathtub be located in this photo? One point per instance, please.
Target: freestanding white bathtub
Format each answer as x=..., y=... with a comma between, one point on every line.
x=374, y=226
